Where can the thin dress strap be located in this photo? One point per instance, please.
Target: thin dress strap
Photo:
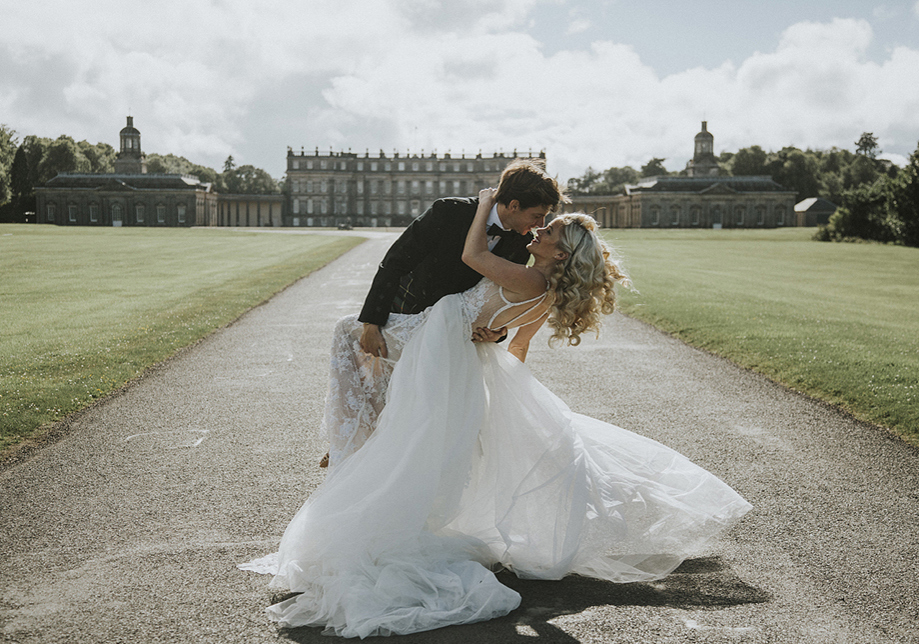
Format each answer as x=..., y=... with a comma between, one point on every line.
x=508, y=304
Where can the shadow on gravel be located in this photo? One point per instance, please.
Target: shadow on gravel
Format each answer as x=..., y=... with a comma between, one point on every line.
x=698, y=584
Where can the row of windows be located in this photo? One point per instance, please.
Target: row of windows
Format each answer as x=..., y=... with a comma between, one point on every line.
x=740, y=215
x=117, y=212
x=387, y=166
x=385, y=187
x=340, y=207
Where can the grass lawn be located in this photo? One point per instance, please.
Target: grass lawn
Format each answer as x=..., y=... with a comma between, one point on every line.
x=839, y=322
x=84, y=310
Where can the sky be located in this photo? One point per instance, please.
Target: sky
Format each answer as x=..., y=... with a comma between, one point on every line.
x=596, y=83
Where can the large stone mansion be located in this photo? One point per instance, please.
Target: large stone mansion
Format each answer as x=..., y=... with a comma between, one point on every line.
x=344, y=188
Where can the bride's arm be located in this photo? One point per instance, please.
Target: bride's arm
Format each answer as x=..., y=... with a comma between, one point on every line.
x=503, y=272
x=520, y=343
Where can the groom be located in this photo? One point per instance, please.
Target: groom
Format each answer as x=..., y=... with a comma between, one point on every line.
x=425, y=263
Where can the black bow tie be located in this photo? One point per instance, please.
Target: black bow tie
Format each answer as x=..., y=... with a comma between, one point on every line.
x=496, y=231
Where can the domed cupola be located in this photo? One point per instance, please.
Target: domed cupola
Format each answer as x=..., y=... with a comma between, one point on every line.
x=130, y=159
x=703, y=161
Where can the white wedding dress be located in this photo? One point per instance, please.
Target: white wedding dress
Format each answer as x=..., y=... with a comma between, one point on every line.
x=474, y=465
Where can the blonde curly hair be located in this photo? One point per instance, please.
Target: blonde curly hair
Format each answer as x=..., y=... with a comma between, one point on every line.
x=582, y=286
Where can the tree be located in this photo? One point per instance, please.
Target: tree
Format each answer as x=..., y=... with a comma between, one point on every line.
x=654, y=168
x=101, y=156
x=867, y=145
x=904, y=202
x=63, y=155
x=795, y=170
x=247, y=180
x=229, y=164
x=749, y=161
x=8, y=147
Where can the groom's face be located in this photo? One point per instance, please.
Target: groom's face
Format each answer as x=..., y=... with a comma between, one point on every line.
x=523, y=220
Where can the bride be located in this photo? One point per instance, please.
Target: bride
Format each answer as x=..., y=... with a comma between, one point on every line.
x=472, y=465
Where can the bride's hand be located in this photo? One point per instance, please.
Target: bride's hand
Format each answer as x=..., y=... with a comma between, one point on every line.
x=483, y=334
x=487, y=197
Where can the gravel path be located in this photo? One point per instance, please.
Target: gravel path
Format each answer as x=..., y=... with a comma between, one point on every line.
x=128, y=529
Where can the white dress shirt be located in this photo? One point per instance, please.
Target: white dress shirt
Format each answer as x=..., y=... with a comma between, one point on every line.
x=493, y=219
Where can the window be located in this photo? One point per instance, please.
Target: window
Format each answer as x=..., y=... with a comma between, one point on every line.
x=139, y=213
x=414, y=166
x=160, y=214
x=373, y=166
x=694, y=215
x=324, y=186
x=401, y=207
x=116, y=212
x=443, y=187
x=655, y=215
x=374, y=186
x=401, y=188
x=309, y=165
x=760, y=215
x=442, y=167
x=470, y=167
x=456, y=187
x=94, y=212
x=309, y=206
x=322, y=165
x=739, y=213
x=180, y=213
x=429, y=187
x=325, y=206
x=360, y=187
x=388, y=166
x=456, y=167
x=374, y=207
x=388, y=207
x=296, y=164
x=429, y=166
x=416, y=187
x=360, y=166
x=780, y=215
x=344, y=165
x=295, y=186
x=674, y=215
x=401, y=165
x=416, y=208
x=51, y=211
x=72, y=210
x=296, y=206
x=487, y=167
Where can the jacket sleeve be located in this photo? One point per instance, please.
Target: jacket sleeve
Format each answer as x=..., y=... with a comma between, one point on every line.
x=409, y=250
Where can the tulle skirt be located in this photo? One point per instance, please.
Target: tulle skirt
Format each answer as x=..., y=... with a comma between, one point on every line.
x=474, y=466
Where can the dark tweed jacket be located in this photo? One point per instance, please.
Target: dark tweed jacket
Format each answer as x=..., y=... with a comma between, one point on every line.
x=426, y=263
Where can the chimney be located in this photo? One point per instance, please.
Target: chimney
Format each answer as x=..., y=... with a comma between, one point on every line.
x=131, y=121
x=705, y=126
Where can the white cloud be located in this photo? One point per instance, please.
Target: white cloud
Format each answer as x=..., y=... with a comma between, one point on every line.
x=579, y=25
x=231, y=77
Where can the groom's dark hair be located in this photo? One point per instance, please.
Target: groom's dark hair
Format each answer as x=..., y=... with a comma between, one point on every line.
x=526, y=181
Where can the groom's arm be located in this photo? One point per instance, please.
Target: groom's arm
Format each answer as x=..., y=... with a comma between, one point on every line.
x=417, y=241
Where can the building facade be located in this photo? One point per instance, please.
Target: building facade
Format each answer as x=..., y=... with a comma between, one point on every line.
x=128, y=197
x=700, y=198
x=344, y=188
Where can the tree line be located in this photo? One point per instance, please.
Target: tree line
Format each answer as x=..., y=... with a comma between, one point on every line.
x=35, y=160
x=877, y=200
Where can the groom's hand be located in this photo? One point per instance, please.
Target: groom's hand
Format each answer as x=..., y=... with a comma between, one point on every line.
x=483, y=334
x=372, y=341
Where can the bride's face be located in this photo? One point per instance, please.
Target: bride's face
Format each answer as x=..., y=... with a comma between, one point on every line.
x=545, y=241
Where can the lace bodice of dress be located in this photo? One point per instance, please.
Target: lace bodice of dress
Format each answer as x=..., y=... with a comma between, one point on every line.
x=486, y=305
